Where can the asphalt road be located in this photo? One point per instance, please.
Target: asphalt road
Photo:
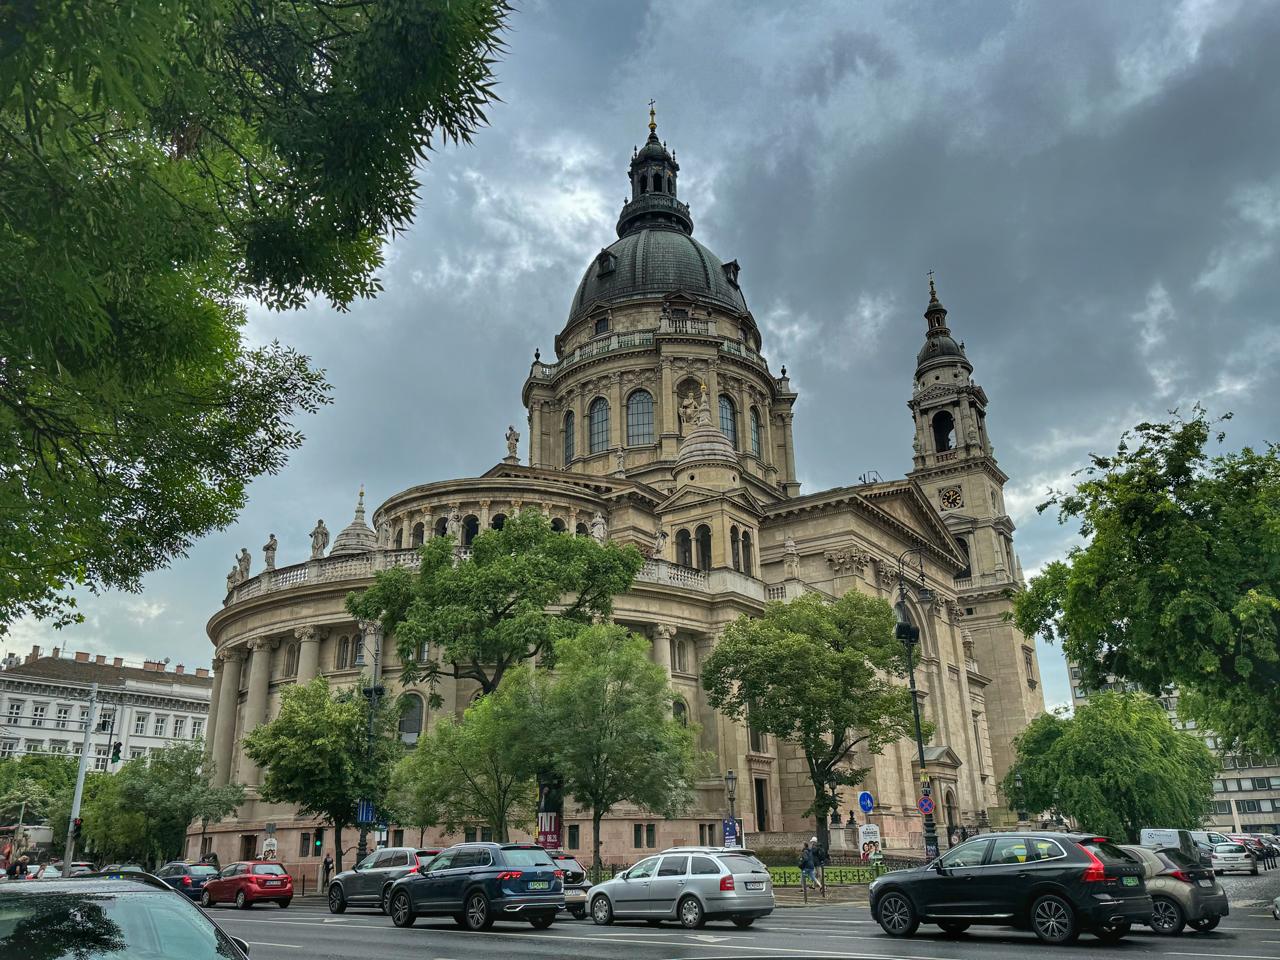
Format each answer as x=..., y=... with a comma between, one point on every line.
x=307, y=931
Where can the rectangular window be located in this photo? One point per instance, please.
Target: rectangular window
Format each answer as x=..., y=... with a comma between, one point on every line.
x=397, y=838
x=197, y=729
x=99, y=758
x=486, y=834
x=1219, y=786
x=637, y=835
x=57, y=746
x=469, y=835
x=1262, y=783
x=62, y=717
x=140, y=723
x=15, y=710
x=639, y=418
x=179, y=727
x=650, y=835
x=574, y=840
x=598, y=424
x=8, y=748
x=702, y=835
x=1028, y=663
x=1222, y=807
x=35, y=746
x=38, y=710
x=304, y=845
x=137, y=752
x=1248, y=806
x=160, y=726
x=106, y=719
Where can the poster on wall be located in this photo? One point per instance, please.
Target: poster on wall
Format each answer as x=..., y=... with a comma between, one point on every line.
x=869, y=841
x=550, y=812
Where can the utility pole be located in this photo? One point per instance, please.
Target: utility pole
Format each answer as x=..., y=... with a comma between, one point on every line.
x=70, y=849
x=363, y=847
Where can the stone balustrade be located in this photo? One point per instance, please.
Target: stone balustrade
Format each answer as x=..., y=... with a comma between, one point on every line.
x=644, y=340
x=720, y=580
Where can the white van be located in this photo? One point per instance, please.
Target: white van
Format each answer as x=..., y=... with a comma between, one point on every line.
x=1158, y=839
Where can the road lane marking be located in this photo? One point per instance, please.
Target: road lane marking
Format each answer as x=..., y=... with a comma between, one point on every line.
x=1234, y=956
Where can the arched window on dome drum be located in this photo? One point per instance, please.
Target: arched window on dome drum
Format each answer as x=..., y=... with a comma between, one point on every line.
x=399, y=541
x=680, y=710
x=748, y=561
x=755, y=431
x=733, y=548
x=963, y=546
x=944, y=428
x=684, y=548
x=558, y=526
x=291, y=660
x=703, y=537
x=598, y=418
x=499, y=521
x=470, y=527
x=679, y=655
x=568, y=438
x=581, y=530
x=729, y=420
x=419, y=534
x=411, y=719
x=639, y=418
x=342, y=658
x=442, y=526
x=657, y=183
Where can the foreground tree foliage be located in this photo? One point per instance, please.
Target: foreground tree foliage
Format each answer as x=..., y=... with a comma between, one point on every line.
x=522, y=589
x=317, y=754
x=819, y=675
x=1179, y=581
x=1115, y=767
x=160, y=165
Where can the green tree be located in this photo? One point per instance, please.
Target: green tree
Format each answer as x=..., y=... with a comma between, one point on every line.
x=55, y=774
x=625, y=747
x=819, y=675
x=1178, y=582
x=162, y=165
x=480, y=769
x=113, y=830
x=318, y=753
x=1115, y=767
x=523, y=588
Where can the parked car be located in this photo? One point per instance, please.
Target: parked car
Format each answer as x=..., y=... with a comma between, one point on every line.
x=248, y=882
x=577, y=888
x=1056, y=884
x=1251, y=843
x=78, y=867
x=478, y=883
x=1233, y=857
x=124, y=868
x=1157, y=839
x=127, y=917
x=1183, y=891
x=188, y=878
x=368, y=883
x=688, y=884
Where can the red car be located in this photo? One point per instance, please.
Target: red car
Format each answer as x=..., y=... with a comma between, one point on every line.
x=249, y=882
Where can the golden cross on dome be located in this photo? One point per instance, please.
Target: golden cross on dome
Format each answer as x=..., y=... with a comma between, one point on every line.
x=933, y=293
x=653, y=125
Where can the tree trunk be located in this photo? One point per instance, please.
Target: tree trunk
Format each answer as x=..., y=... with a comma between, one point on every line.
x=820, y=816
x=596, y=816
x=337, y=844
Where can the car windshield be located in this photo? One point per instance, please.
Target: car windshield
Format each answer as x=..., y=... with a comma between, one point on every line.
x=1228, y=848
x=526, y=857
x=201, y=870
x=570, y=864
x=1108, y=852
x=740, y=864
x=135, y=925
x=268, y=869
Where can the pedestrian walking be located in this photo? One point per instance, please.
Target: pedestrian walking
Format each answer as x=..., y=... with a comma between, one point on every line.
x=820, y=860
x=18, y=869
x=328, y=867
x=964, y=834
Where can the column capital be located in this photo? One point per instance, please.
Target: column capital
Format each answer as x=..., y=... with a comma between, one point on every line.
x=370, y=627
x=306, y=634
x=233, y=654
x=261, y=643
x=664, y=631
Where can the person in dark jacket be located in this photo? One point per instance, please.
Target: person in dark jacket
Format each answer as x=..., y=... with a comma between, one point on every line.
x=18, y=869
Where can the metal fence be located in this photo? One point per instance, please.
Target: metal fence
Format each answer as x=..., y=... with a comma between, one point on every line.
x=787, y=875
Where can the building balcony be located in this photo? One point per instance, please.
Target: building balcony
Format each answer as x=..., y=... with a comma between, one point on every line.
x=717, y=580
x=327, y=569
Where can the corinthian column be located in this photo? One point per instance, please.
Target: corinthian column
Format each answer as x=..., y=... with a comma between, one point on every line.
x=211, y=722
x=663, y=634
x=255, y=705
x=228, y=699
x=308, y=653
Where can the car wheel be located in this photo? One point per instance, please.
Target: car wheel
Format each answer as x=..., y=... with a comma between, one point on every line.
x=206, y=901
x=477, y=912
x=953, y=926
x=1205, y=924
x=743, y=922
x=284, y=903
x=896, y=916
x=691, y=913
x=401, y=912
x=337, y=902
x=1112, y=932
x=1167, y=916
x=1053, y=921
x=602, y=911
x=242, y=902
x=542, y=921
x=578, y=913
x=384, y=901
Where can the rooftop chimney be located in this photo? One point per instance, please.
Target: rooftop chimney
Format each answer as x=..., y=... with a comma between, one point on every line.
x=56, y=653
x=34, y=655
x=118, y=662
x=100, y=658
x=152, y=665
x=81, y=657
x=202, y=671
x=179, y=669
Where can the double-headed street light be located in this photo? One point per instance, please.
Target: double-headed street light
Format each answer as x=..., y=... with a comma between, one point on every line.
x=909, y=634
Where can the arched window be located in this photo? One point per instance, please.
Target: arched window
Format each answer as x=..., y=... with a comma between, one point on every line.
x=657, y=183
x=639, y=418
x=684, y=548
x=680, y=710
x=419, y=534
x=558, y=526
x=755, y=431
x=748, y=562
x=291, y=660
x=342, y=659
x=679, y=655
x=733, y=548
x=703, y=537
x=442, y=526
x=499, y=521
x=602, y=326
x=963, y=545
x=598, y=420
x=944, y=428
x=581, y=530
x=411, y=719
x=399, y=541
x=568, y=438
x=470, y=527
x=729, y=419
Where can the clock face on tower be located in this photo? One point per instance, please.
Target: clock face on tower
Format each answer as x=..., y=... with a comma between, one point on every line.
x=951, y=498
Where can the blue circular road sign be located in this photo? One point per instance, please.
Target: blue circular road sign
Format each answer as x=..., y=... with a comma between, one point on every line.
x=866, y=801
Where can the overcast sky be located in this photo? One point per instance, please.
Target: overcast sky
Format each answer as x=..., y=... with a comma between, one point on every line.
x=1096, y=184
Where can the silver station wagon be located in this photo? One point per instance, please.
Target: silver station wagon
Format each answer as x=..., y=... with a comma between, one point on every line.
x=688, y=884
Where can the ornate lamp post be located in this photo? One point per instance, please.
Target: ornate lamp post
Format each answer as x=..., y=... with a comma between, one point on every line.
x=1017, y=786
x=731, y=791
x=909, y=634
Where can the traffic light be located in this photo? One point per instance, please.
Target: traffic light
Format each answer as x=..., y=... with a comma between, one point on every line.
x=115, y=751
x=319, y=839
x=76, y=824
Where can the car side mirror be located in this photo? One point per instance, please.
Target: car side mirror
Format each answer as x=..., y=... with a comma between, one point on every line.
x=244, y=947
x=422, y=869
x=937, y=865
x=625, y=875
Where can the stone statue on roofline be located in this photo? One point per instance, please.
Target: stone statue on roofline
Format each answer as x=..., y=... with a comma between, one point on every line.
x=269, y=552
x=319, y=540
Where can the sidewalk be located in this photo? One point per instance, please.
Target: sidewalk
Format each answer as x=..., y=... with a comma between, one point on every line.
x=851, y=895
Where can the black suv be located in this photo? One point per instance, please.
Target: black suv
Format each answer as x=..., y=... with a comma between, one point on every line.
x=577, y=888
x=477, y=883
x=1055, y=884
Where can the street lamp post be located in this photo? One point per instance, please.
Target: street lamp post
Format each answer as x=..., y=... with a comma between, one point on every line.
x=909, y=634
x=1017, y=786
x=731, y=790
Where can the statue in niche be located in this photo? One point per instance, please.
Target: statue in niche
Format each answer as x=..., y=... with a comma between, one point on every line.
x=319, y=540
x=599, y=531
x=688, y=411
x=659, y=542
x=790, y=559
x=619, y=460
x=269, y=552
x=513, y=440
x=453, y=526
x=972, y=434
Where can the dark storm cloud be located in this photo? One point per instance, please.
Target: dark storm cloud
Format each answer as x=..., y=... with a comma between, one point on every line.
x=1096, y=185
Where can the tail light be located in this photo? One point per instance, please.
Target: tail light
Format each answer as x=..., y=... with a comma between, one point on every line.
x=416, y=862
x=511, y=875
x=1180, y=875
x=726, y=882
x=1095, y=872
x=186, y=881
x=559, y=874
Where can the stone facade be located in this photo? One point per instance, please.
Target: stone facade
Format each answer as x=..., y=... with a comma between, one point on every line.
x=660, y=424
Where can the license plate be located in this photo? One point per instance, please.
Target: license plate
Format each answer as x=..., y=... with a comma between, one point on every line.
x=755, y=884
x=539, y=884
x=575, y=894
x=273, y=883
x=1205, y=883
x=1130, y=881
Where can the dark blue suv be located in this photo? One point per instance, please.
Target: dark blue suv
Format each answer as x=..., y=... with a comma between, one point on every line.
x=478, y=883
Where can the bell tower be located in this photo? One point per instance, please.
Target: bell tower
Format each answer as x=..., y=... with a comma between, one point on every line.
x=954, y=463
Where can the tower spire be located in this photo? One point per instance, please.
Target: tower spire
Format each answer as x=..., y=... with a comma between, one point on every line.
x=653, y=123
